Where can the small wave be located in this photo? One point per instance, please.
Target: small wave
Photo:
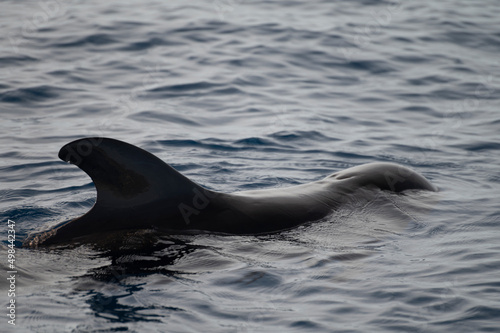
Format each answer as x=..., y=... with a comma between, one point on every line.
x=253, y=142
x=479, y=146
x=155, y=116
x=192, y=89
x=16, y=60
x=31, y=94
x=150, y=43
x=98, y=39
x=430, y=79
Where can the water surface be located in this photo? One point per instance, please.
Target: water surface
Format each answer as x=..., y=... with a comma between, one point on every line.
x=243, y=95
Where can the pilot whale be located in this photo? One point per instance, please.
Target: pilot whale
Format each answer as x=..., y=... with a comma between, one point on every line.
x=137, y=190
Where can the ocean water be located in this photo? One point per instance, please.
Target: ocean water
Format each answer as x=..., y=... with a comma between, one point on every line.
x=237, y=95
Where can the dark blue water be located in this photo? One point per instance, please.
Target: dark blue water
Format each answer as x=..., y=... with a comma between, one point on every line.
x=241, y=95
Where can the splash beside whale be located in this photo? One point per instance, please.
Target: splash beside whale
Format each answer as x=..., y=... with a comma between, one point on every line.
x=136, y=190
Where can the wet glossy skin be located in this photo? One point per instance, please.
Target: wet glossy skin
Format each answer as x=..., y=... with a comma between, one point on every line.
x=136, y=190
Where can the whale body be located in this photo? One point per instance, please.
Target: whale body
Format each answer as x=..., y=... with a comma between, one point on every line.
x=137, y=190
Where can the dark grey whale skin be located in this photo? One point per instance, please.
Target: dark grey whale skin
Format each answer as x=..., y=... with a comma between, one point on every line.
x=137, y=190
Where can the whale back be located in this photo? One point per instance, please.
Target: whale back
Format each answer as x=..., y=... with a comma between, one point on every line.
x=386, y=176
x=137, y=190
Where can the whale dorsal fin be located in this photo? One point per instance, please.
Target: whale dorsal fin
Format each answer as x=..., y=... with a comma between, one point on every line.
x=135, y=190
x=126, y=176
